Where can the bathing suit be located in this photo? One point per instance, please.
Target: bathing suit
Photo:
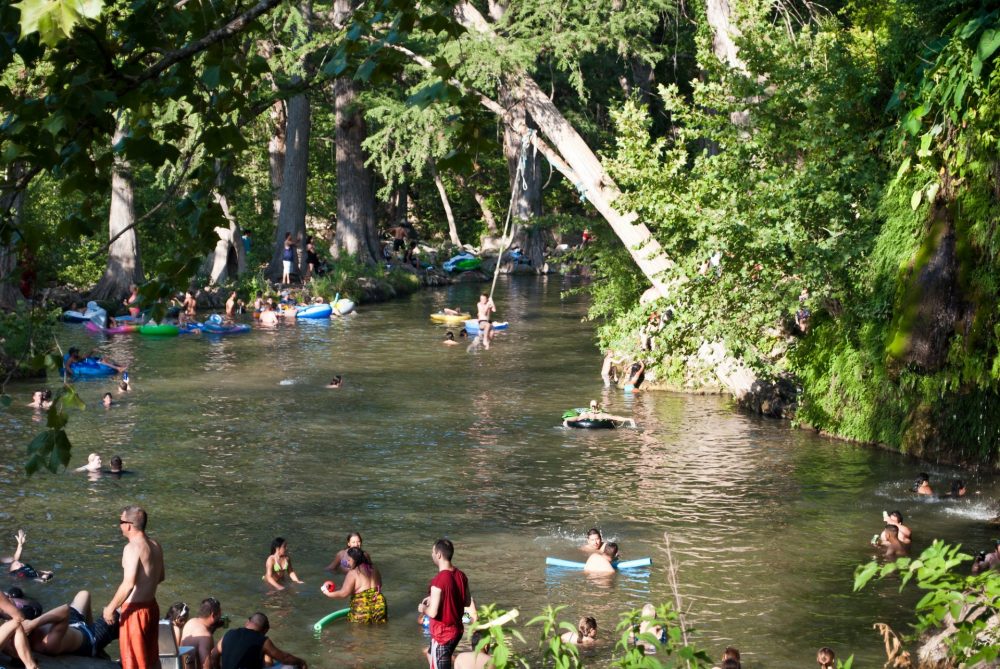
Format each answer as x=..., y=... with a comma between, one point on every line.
x=139, y=631
x=368, y=607
x=25, y=571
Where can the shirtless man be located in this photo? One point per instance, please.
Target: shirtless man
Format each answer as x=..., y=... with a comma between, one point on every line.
x=70, y=630
x=449, y=339
x=198, y=632
x=11, y=631
x=601, y=561
x=231, y=305
x=890, y=543
x=896, y=518
x=268, y=317
x=188, y=308
x=477, y=658
x=142, y=567
x=594, y=541
x=923, y=486
x=484, y=308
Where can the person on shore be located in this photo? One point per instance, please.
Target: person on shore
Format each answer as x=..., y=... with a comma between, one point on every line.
x=594, y=541
x=279, y=565
x=602, y=561
x=826, y=658
x=143, y=571
x=636, y=374
x=364, y=586
x=986, y=561
x=70, y=629
x=923, y=485
x=199, y=633
x=268, y=317
x=585, y=634
x=890, y=544
x=449, y=597
x=336, y=382
x=18, y=569
x=287, y=258
x=340, y=563
x=13, y=638
x=178, y=615
x=477, y=658
x=896, y=518
x=449, y=339
x=312, y=260
x=93, y=466
x=41, y=399
x=484, y=308
x=132, y=301
x=245, y=648
x=106, y=400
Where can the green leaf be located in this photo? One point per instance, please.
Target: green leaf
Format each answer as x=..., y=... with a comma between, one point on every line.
x=988, y=43
x=977, y=66
x=915, y=199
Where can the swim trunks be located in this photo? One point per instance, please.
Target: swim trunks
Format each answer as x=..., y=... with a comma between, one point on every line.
x=25, y=571
x=139, y=631
x=88, y=643
x=368, y=607
x=441, y=653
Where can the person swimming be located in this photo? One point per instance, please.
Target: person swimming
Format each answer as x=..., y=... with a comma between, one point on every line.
x=602, y=562
x=585, y=634
x=923, y=485
x=337, y=381
x=279, y=565
x=19, y=569
x=594, y=541
x=449, y=339
x=340, y=562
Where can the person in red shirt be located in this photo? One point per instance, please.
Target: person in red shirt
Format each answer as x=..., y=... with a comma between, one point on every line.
x=449, y=598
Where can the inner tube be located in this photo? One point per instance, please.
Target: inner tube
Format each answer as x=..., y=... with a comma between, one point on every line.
x=165, y=330
x=461, y=263
x=319, y=624
x=343, y=306
x=454, y=319
x=120, y=329
x=216, y=329
x=589, y=424
x=314, y=311
x=89, y=367
x=472, y=326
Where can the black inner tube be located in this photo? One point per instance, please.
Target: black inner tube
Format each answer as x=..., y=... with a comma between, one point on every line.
x=591, y=424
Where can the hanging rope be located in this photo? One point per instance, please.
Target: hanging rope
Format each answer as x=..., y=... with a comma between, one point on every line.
x=522, y=162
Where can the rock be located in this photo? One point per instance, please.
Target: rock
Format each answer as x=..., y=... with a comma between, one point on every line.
x=69, y=662
x=490, y=244
x=474, y=276
x=63, y=297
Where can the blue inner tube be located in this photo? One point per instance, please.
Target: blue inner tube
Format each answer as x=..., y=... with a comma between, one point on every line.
x=90, y=367
x=588, y=424
x=314, y=311
x=215, y=329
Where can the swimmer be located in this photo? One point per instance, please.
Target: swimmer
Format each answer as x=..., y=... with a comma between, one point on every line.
x=896, y=518
x=478, y=657
x=451, y=312
x=646, y=626
x=279, y=565
x=957, y=489
x=117, y=466
x=484, y=308
x=462, y=334
x=923, y=485
x=585, y=634
x=106, y=400
x=449, y=339
x=268, y=317
x=635, y=376
x=336, y=382
x=595, y=412
x=125, y=385
x=340, y=562
x=18, y=569
x=230, y=308
x=93, y=465
x=731, y=655
x=41, y=399
x=826, y=658
x=75, y=357
x=364, y=586
x=594, y=541
x=889, y=542
x=601, y=561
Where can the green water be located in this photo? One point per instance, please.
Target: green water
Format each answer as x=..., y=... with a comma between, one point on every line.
x=235, y=441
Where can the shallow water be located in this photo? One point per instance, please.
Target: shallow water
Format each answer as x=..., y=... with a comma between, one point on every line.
x=235, y=441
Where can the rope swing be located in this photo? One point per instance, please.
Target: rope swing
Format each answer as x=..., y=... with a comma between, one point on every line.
x=505, y=239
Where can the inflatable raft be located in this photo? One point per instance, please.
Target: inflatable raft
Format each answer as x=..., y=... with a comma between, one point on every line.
x=219, y=329
x=165, y=330
x=463, y=262
x=119, y=329
x=93, y=314
x=472, y=326
x=450, y=319
x=89, y=367
x=343, y=306
x=314, y=311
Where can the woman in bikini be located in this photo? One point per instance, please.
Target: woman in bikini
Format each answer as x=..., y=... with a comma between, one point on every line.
x=339, y=562
x=279, y=565
x=364, y=586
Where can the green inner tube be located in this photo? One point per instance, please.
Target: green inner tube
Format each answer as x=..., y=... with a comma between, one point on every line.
x=159, y=330
x=330, y=618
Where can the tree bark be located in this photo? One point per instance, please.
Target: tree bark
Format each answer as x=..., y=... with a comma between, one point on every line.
x=276, y=156
x=573, y=158
x=124, y=262
x=292, y=215
x=12, y=201
x=524, y=175
x=719, y=14
x=452, y=229
x=229, y=258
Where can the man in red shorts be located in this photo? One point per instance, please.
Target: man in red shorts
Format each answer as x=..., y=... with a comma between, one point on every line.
x=142, y=564
x=445, y=605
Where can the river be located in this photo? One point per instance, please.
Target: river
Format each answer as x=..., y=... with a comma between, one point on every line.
x=232, y=442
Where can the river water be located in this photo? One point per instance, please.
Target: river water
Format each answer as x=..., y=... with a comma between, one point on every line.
x=232, y=442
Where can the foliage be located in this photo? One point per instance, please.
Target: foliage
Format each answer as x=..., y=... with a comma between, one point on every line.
x=965, y=601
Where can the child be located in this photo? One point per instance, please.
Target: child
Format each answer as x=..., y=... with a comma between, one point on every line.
x=585, y=634
x=825, y=658
x=279, y=565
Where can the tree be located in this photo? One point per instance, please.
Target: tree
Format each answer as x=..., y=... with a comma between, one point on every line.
x=292, y=214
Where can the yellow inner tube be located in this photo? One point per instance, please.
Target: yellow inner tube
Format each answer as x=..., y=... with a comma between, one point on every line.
x=449, y=318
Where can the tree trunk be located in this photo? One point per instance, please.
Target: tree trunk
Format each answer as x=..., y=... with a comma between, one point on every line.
x=12, y=201
x=229, y=258
x=124, y=262
x=452, y=230
x=577, y=162
x=524, y=175
x=719, y=14
x=356, y=233
x=292, y=215
x=276, y=156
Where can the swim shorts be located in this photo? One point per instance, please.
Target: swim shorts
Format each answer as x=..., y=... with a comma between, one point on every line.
x=286, y=266
x=441, y=653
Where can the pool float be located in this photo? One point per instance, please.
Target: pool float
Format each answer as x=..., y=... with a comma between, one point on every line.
x=165, y=330
x=343, y=306
x=450, y=319
x=314, y=311
x=89, y=367
x=626, y=564
x=463, y=262
x=591, y=424
x=219, y=329
x=472, y=326
x=94, y=314
x=319, y=624
x=119, y=329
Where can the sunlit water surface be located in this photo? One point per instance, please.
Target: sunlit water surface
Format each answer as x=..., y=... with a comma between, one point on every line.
x=235, y=441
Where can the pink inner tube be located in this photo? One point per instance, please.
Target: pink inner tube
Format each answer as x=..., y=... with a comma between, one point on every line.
x=121, y=329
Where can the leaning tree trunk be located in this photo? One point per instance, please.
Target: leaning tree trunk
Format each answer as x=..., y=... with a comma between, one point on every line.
x=124, y=263
x=229, y=258
x=292, y=215
x=452, y=229
x=11, y=201
x=524, y=174
x=719, y=14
